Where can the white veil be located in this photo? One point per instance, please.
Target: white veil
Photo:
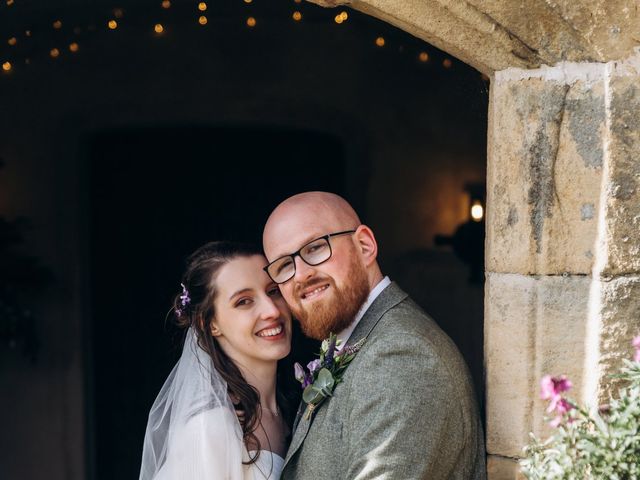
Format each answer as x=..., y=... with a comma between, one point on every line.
x=193, y=432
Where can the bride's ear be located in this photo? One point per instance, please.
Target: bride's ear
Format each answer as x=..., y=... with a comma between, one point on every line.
x=212, y=327
x=215, y=331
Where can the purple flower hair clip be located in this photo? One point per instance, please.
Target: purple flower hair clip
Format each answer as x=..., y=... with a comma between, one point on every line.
x=185, y=300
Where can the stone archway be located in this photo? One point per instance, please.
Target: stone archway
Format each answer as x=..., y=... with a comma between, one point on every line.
x=563, y=183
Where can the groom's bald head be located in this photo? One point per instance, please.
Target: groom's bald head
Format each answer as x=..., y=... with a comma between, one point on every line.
x=308, y=212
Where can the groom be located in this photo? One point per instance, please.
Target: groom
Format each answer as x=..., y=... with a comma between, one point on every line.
x=405, y=408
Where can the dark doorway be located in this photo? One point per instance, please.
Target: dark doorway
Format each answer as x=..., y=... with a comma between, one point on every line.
x=156, y=195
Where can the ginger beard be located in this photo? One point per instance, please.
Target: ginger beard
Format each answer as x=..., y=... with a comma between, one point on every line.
x=334, y=314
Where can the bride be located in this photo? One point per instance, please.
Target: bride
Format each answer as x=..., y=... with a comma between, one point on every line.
x=222, y=414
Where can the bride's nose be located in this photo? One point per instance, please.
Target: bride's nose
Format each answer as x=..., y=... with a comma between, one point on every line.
x=268, y=309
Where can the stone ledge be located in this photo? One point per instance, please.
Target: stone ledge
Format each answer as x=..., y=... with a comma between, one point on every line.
x=503, y=468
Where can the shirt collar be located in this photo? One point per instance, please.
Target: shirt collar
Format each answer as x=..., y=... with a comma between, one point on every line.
x=344, y=335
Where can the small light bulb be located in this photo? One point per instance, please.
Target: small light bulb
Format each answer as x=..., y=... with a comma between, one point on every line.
x=112, y=24
x=446, y=63
x=298, y=1
x=338, y=19
x=423, y=57
x=344, y=16
x=55, y=53
x=166, y=4
x=74, y=47
x=12, y=41
x=249, y=1
x=380, y=41
x=6, y=66
x=9, y=2
x=158, y=28
x=202, y=20
x=57, y=24
x=297, y=16
x=477, y=211
x=118, y=13
x=251, y=22
x=27, y=33
x=202, y=6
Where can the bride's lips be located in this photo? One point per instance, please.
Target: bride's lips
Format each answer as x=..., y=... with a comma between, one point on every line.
x=311, y=293
x=272, y=332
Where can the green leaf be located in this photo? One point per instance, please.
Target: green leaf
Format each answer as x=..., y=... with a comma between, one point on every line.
x=324, y=381
x=321, y=388
x=312, y=395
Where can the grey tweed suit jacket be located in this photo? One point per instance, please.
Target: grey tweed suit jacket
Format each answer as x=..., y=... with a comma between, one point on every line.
x=405, y=409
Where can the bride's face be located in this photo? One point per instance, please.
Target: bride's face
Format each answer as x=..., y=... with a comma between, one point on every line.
x=252, y=321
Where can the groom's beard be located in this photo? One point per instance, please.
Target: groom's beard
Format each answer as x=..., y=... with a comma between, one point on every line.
x=334, y=314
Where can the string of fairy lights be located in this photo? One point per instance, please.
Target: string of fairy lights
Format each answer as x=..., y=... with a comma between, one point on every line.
x=201, y=9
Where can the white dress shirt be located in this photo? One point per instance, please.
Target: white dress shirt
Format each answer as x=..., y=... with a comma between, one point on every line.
x=344, y=335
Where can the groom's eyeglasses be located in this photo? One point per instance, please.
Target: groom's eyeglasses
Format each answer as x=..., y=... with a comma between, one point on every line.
x=313, y=253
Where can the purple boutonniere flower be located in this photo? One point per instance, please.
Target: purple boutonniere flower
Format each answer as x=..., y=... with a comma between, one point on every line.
x=314, y=365
x=331, y=350
x=325, y=372
x=303, y=377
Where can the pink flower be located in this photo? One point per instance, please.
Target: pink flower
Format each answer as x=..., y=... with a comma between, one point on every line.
x=551, y=387
x=563, y=406
x=556, y=421
x=636, y=345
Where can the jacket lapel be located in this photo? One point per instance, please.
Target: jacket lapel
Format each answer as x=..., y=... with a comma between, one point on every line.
x=388, y=298
x=300, y=431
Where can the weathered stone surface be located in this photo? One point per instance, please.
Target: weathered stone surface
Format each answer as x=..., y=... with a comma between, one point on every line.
x=544, y=175
x=617, y=309
x=620, y=244
x=609, y=27
x=492, y=35
x=559, y=40
x=533, y=326
x=575, y=326
x=501, y=468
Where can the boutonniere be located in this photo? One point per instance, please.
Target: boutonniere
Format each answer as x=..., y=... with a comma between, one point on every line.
x=324, y=373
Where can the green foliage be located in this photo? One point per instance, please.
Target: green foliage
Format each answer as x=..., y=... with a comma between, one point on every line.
x=599, y=444
x=320, y=389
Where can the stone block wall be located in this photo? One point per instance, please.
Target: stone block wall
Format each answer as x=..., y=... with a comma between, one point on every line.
x=563, y=240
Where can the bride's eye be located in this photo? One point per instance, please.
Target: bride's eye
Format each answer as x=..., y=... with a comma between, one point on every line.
x=243, y=302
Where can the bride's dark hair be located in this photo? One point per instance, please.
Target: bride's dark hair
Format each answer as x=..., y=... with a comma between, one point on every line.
x=197, y=312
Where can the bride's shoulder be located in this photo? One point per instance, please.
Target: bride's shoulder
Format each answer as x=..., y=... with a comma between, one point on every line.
x=212, y=424
x=213, y=416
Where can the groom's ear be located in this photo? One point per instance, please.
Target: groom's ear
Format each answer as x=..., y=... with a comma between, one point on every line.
x=366, y=244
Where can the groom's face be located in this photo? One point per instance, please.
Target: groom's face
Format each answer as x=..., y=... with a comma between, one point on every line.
x=324, y=298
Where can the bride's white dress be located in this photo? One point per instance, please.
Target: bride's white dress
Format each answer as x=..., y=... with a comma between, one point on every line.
x=192, y=455
x=268, y=466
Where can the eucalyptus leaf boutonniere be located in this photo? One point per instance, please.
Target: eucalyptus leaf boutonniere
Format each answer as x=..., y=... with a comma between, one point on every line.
x=326, y=372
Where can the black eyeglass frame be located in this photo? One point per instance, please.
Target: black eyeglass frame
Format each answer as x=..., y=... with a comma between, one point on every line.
x=297, y=254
